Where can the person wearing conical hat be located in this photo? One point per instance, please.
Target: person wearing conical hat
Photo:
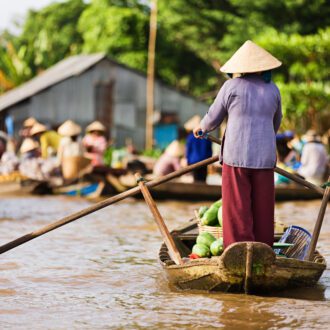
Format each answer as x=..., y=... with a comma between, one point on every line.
x=70, y=143
x=29, y=148
x=95, y=143
x=196, y=149
x=29, y=122
x=169, y=161
x=314, y=158
x=49, y=139
x=30, y=162
x=251, y=103
x=24, y=132
x=71, y=151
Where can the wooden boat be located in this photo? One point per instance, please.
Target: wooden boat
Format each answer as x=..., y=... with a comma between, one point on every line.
x=249, y=267
x=15, y=184
x=82, y=189
x=202, y=191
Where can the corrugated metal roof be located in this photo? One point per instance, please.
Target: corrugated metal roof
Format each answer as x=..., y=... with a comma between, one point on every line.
x=72, y=66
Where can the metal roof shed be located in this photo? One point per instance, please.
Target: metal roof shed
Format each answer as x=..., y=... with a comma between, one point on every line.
x=88, y=87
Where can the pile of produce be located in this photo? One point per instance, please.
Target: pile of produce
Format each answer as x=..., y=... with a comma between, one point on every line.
x=206, y=246
x=211, y=216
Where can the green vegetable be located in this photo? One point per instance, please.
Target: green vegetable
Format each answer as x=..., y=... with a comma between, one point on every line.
x=205, y=238
x=201, y=250
x=220, y=216
x=217, y=247
x=217, y=204
x=210, y=217
x=202, y=210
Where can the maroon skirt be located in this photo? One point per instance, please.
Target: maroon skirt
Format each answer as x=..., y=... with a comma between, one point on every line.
x=248, y=197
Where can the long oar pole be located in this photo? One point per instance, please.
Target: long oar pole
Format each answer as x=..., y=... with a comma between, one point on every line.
x=103, y=204
x=168, y=239
x=280, y=171
x=318, y=225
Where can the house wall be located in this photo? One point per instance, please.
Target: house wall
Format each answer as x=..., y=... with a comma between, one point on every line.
x=72, y=98
x=130, y=105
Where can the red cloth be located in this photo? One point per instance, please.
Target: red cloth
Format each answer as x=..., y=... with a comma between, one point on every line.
x=248, y=197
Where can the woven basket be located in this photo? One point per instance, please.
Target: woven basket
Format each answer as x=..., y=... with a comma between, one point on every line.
x=215, y=231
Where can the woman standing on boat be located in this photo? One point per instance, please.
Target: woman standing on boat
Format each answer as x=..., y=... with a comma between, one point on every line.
x=252, y=105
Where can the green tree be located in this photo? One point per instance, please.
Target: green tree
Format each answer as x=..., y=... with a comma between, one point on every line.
x=117, y=28
x=49, y=35
x=13, y=68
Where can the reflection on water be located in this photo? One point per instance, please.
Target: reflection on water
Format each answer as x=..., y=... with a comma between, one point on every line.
x=101, y=272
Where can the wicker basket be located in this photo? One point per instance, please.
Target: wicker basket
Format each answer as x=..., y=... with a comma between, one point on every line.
x=215, y=231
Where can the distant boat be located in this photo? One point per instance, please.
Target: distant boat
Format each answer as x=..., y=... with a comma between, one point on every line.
x=203, y=191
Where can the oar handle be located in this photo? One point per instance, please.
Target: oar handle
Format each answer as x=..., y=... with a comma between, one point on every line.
x=278, y=170
x=208, y=137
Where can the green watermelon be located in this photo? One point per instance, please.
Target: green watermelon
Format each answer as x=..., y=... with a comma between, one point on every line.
x=220, y=216
x=217, y=247
x=202, y=210
x=205, y=238
x=210, y=217
x=201, y=250
x=217, y=204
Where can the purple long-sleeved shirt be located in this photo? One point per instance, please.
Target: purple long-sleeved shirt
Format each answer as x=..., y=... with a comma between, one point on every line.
x=254, y=115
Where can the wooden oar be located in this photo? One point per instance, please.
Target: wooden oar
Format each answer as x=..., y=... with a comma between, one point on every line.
x=168, y=239
x=102, y=204
x=318, y=225
x=280, y=171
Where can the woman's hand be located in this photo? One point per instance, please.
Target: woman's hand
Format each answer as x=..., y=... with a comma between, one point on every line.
x=196, y=130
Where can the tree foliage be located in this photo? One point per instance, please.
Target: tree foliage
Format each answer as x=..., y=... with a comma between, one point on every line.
x=49, y=35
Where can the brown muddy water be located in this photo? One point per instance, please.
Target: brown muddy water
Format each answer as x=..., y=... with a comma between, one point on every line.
x=101, y=272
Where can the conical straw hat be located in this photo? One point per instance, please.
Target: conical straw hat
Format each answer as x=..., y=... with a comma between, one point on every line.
x=95, y=126
x=311, y=135
x=250, y=58
x=28, y=145
x=29, y=122
x=38, y=128
x=174, y=149
x=69, y=128
x=192, y=123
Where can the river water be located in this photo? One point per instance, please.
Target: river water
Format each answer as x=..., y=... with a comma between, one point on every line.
x=101, y=272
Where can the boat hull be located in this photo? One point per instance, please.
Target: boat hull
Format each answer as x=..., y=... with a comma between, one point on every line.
x=229, y=272
x=212, y=276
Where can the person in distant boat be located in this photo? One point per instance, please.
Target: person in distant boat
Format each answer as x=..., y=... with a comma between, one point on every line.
x=24, y=132
x=95, y=143
x=70, y=143
x=288, y=157
x=8, y=159
x=71, y=151
x=251, y=103
x=197, y=149
x=49, y=140
x=314, y=158
x=30, y=161
x=32, y=165
x=3, y=143
x=27, y=126
x=169, y=161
